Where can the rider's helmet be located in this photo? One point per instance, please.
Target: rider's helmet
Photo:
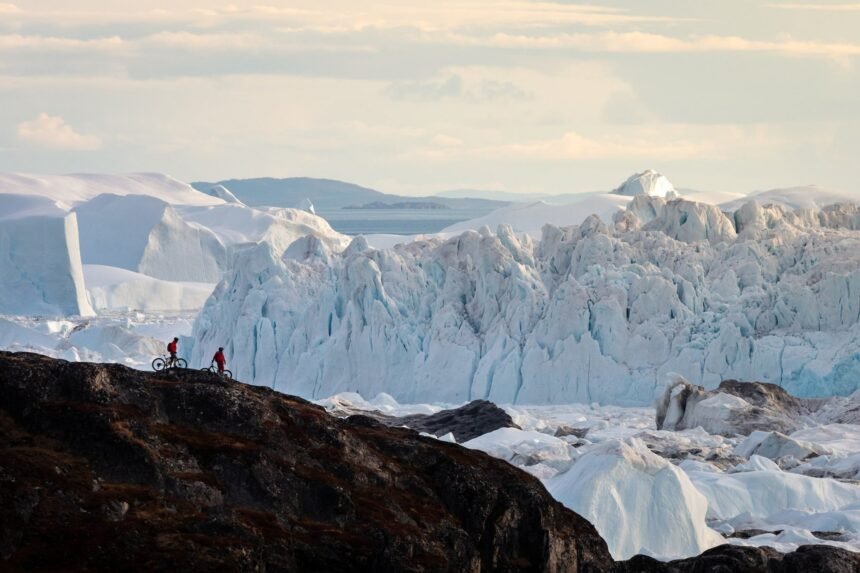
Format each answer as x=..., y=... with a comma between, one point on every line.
x=175, y=339
x=221, y=349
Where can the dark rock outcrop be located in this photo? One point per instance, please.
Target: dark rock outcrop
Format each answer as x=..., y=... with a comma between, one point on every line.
x=767, y=396
x=103, y=468
x=467, y=422
x=759, y=406
x=735, y=559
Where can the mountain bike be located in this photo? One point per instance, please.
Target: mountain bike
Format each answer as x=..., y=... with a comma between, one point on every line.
x=163, y=363
x=214, y=370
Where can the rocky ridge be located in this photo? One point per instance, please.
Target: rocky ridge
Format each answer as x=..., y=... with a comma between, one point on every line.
x=105, y=468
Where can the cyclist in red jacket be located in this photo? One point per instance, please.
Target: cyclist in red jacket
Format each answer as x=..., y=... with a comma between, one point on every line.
x=172, y=348
x=220, y=360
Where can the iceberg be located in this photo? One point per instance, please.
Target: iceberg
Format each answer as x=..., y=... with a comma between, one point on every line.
x=40, y=259
x=638, y=501
x=599, y=312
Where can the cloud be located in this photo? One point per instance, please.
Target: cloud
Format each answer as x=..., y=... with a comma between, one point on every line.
x=448, y=14
x=51, y=43
x=210, y=41
x=649, y=43
x=577, y=147
x=494, y=89
x=675, y=142
x=9, y=9
x=52, y=132
x=443, y=140
x=426, y=91
x=818, y=7
x=456, y=87
x=338, y=15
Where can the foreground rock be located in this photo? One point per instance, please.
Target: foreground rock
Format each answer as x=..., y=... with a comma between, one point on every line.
x=734, y=559
x=103, y=468
x=107, y=468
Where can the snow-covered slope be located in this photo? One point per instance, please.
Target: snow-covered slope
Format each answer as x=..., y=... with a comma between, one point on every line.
x=70, y=190
x=237, y=225
x=147, y=235
x=530, y=218
x=115, y=289
x=589, y=313
x=805, y=197
x=223, y=193
x=574, y=209
x=40, y=261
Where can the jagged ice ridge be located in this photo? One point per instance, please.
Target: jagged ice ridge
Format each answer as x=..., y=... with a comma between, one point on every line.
x=587, y=313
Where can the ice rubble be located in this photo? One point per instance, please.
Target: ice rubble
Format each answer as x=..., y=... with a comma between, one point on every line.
x=763, y=489
x=133, y=339
x=595, y=312
x=538, y=453
x=623, y=477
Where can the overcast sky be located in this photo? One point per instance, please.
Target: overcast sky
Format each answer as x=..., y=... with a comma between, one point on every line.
x=414, y=97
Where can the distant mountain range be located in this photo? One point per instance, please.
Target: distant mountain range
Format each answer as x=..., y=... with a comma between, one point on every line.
x=328, y=194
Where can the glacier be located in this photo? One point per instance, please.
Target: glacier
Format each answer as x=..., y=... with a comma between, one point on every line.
x=595, y=312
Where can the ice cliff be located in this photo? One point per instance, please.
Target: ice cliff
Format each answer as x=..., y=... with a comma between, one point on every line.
x=594, y=312
x=40, y=259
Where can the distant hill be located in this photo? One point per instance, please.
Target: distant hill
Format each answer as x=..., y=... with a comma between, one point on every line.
x=327, y=194
x=402, y=205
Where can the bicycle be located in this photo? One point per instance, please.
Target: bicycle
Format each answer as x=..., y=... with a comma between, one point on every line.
x=212, y=369
x=164, y=363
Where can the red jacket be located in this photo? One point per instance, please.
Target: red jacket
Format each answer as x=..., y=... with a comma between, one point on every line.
x=171, y=347
x=219, y=358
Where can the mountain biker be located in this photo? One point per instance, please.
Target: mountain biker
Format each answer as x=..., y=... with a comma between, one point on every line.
x=220, y=360
x=172, y=347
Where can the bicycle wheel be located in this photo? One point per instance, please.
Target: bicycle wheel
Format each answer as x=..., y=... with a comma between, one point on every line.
x=228, y=374
x=158, y=364
x=180, y=363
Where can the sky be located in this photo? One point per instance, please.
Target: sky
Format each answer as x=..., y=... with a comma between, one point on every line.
x=417, y=97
